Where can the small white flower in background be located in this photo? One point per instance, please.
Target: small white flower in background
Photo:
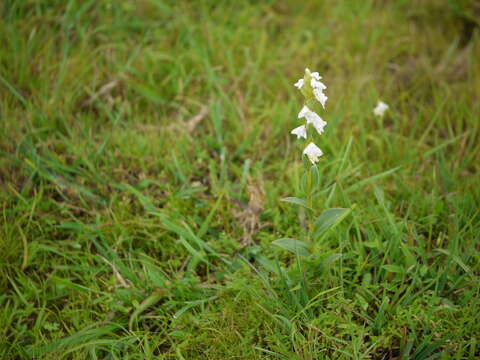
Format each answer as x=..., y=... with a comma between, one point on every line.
x=312, y=118
x=313, y=152
x=300, y=131
x=380, y=109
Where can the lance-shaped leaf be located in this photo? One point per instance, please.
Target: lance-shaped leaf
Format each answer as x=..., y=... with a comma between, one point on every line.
x=329, y=219
x=295, y=246
x=296, y=201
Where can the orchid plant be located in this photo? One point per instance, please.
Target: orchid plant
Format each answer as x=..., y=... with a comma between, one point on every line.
x=313, y=91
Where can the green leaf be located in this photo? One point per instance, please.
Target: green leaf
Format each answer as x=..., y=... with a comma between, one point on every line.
x=71, y=285
x=191, y=304
x=459, y=261
x=296, y=201
x=331, y=259
x=146, y=303
x=295, y=246
x=148, y=92
x=146, y=202
x=409, y=257
x=329, y=219
x=370, y=180
x=304, y=182
x=394, y=269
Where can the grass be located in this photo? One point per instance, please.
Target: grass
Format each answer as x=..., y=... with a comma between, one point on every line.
x=145, y=149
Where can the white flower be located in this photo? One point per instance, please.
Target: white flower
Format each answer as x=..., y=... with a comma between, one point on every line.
x=317, y=84
x=317, y=87
x=313, y=152
x=300, y=131
x=314, y=75
x=380, y=108
x=320, y=96
x=299, y=83
x=312, y=118
x=315, y=81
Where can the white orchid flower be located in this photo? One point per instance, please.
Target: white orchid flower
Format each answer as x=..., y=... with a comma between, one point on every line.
x=299, y=83
x=318, y=88
x=314, y=74
x=313, y=152
x=380, y=109
x=320, y=96
x=300, y=131
x=315, y=80
x=317, y=85
x=312, y=118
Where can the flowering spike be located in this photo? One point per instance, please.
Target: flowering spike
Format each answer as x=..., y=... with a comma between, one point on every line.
x=314, y=74
x=316, y=88
x=312, y=89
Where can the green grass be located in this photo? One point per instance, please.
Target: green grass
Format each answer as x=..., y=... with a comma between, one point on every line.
x=124, y=235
